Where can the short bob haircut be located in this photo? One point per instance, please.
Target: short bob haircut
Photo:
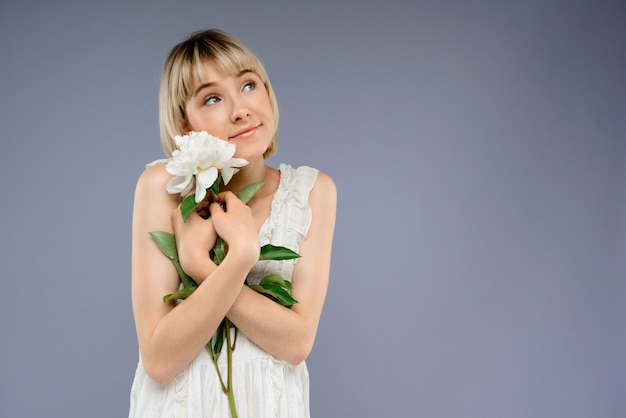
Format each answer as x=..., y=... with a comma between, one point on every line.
x=184, y=66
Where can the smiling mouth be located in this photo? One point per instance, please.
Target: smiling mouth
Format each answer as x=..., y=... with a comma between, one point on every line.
x=246, y=132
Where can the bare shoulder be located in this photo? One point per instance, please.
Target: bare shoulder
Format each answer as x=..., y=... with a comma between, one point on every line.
x=323, y=197
x=324, y=188
x=151, y=198
x=153, y=178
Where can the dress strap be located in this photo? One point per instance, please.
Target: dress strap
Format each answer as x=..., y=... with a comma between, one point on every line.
x=301, y=213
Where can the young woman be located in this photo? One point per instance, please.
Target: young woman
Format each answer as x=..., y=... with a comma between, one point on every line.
x=212, y=82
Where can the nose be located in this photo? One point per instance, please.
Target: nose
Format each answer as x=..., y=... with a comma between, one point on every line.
x=240, y=110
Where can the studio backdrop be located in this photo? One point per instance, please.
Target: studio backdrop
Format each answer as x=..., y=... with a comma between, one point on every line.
x=479, y=151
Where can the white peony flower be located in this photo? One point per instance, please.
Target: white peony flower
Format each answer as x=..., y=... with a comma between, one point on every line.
x=198, y=160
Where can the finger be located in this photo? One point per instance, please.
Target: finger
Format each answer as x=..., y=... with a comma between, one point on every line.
x=231, y=200
x=216, y=208
x=177, y=219
x=227, y=196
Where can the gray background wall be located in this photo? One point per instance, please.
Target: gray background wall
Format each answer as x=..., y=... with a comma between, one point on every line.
x=479, y=149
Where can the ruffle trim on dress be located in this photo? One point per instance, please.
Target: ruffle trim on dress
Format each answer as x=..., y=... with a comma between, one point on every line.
x=289, y=219
x=297, y=182
x=299, y=218
x=278, y=202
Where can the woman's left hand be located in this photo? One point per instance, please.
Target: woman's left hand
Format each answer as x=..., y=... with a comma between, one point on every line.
x=194, y=239
x=234, y=223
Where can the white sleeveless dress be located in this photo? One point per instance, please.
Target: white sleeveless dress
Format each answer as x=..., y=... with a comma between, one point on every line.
x=264, y=386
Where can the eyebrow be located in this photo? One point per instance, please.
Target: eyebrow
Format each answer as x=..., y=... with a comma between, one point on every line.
x=211, y=83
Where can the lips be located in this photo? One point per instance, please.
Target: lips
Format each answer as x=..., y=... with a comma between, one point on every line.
x=246, y=132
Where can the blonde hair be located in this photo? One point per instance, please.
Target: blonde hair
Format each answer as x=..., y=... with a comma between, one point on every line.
x=184, y=66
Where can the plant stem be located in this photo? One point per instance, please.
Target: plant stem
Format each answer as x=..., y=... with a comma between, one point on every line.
x=229, y=354
x=209, y=348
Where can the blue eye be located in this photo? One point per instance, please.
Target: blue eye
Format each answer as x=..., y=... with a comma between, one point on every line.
x=211, y=100
x=249, y=86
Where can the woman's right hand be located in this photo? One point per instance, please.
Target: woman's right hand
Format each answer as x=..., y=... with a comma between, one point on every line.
x=235, y=225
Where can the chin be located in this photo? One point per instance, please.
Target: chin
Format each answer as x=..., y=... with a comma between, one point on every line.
x=250, y=151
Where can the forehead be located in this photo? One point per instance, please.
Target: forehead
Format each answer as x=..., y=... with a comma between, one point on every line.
x=207, y=70
x=209, y=74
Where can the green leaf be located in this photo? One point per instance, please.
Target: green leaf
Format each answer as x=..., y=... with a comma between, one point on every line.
x=271, y=252
x=260, y=289
x=187, y=281
x=276, y=293
x=218, y=251
x=166, y=243
x=248, y=192
x=217, y=342
x=275, y=279
x=188, y=205
x=181, y=294
x=283, y=297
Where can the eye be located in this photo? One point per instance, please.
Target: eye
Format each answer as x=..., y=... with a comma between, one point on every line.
x=211, y=100
x=249, y=86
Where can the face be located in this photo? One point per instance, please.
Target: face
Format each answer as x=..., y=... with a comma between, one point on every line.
x=235, y=108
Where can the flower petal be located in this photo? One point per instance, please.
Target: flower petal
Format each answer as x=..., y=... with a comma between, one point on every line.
x=227, y=173
x=187, y=189
x=177, y=184
x=228, y=168
x=238, y=162
x=200, y=193
x=155, y=162
x=206, y=178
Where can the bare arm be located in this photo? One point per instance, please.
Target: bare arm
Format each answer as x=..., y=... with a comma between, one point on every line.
x=171, y=336
x=289, y=333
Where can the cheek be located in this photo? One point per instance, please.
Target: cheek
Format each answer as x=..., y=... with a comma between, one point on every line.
x=270, y=110
x=204, y=122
